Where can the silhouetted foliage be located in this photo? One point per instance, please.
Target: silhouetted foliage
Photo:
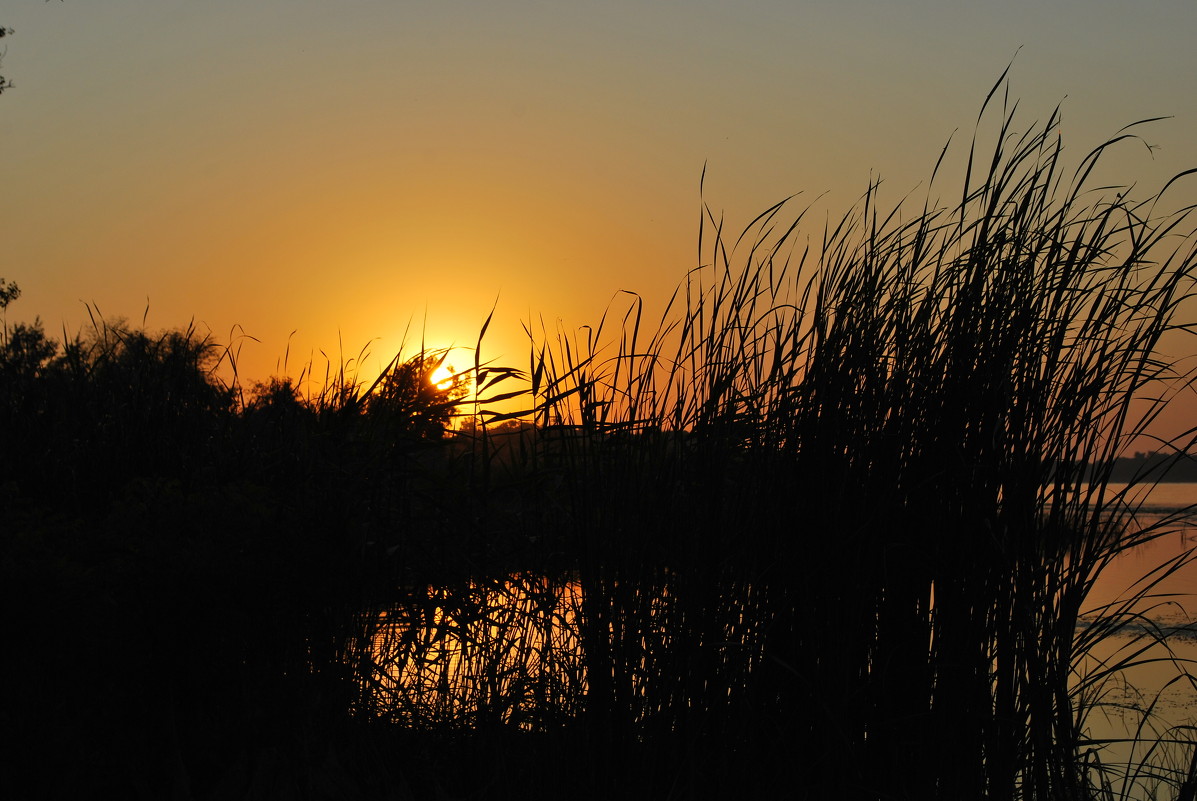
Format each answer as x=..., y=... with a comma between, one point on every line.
x=277, y=399
x=407, y=399
x=826, y=532
x=115, y=404
x=26, y=352
x=4, y=82
x=8, y=293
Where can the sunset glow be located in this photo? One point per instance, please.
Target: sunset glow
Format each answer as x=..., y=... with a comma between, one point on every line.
x=681, y=400
x=172, y=163
x=442, y=377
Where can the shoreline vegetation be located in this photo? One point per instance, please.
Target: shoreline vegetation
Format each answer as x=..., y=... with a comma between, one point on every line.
x=641, y=583
x=1167, y=468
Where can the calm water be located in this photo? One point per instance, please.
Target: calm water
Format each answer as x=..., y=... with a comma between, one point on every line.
x=1164, y=502
x=509, y=651
x=505, y=651
x=1155, y=697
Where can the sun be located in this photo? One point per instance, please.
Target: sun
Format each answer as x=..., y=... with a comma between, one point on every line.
x=443, y=376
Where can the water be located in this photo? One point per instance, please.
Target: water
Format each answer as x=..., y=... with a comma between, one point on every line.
x=504, y=651
x=1166, y=504
x=509, y=650
x=1153, y=701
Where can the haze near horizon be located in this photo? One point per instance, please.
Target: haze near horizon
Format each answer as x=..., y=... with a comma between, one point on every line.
x=352, y=171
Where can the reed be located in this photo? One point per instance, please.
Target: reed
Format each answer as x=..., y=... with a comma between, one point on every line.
x=829, y=528
x=850, y=494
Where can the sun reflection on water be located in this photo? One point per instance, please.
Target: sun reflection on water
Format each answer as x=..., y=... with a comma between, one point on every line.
x=505, y=651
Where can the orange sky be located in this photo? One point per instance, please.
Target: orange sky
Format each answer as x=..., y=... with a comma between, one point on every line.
x=341, y=169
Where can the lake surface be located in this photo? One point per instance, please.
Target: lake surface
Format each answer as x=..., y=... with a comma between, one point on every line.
x=1154, y=699
x=505, y=651
x=509, y=650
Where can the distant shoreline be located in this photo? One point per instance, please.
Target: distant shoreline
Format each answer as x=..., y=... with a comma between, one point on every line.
x=1168, y=468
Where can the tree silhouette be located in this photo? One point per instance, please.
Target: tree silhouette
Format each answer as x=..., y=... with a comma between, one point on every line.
x=25, y=350
x=8, y=293
x=407, y=398
x=4, y=82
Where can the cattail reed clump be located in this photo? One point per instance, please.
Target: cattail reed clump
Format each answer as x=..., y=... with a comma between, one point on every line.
x=828, y=529
x=841, y=510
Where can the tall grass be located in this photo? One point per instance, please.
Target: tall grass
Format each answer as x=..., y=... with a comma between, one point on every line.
x=844, y=505
x=828, y=529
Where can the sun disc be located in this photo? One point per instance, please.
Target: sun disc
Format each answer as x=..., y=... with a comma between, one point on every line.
x=442, y=377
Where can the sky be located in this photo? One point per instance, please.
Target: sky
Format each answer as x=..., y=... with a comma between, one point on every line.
x=350, y=170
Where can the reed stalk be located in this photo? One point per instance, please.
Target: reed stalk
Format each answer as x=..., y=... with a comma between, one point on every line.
x=900, y=437
x=829, y=528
